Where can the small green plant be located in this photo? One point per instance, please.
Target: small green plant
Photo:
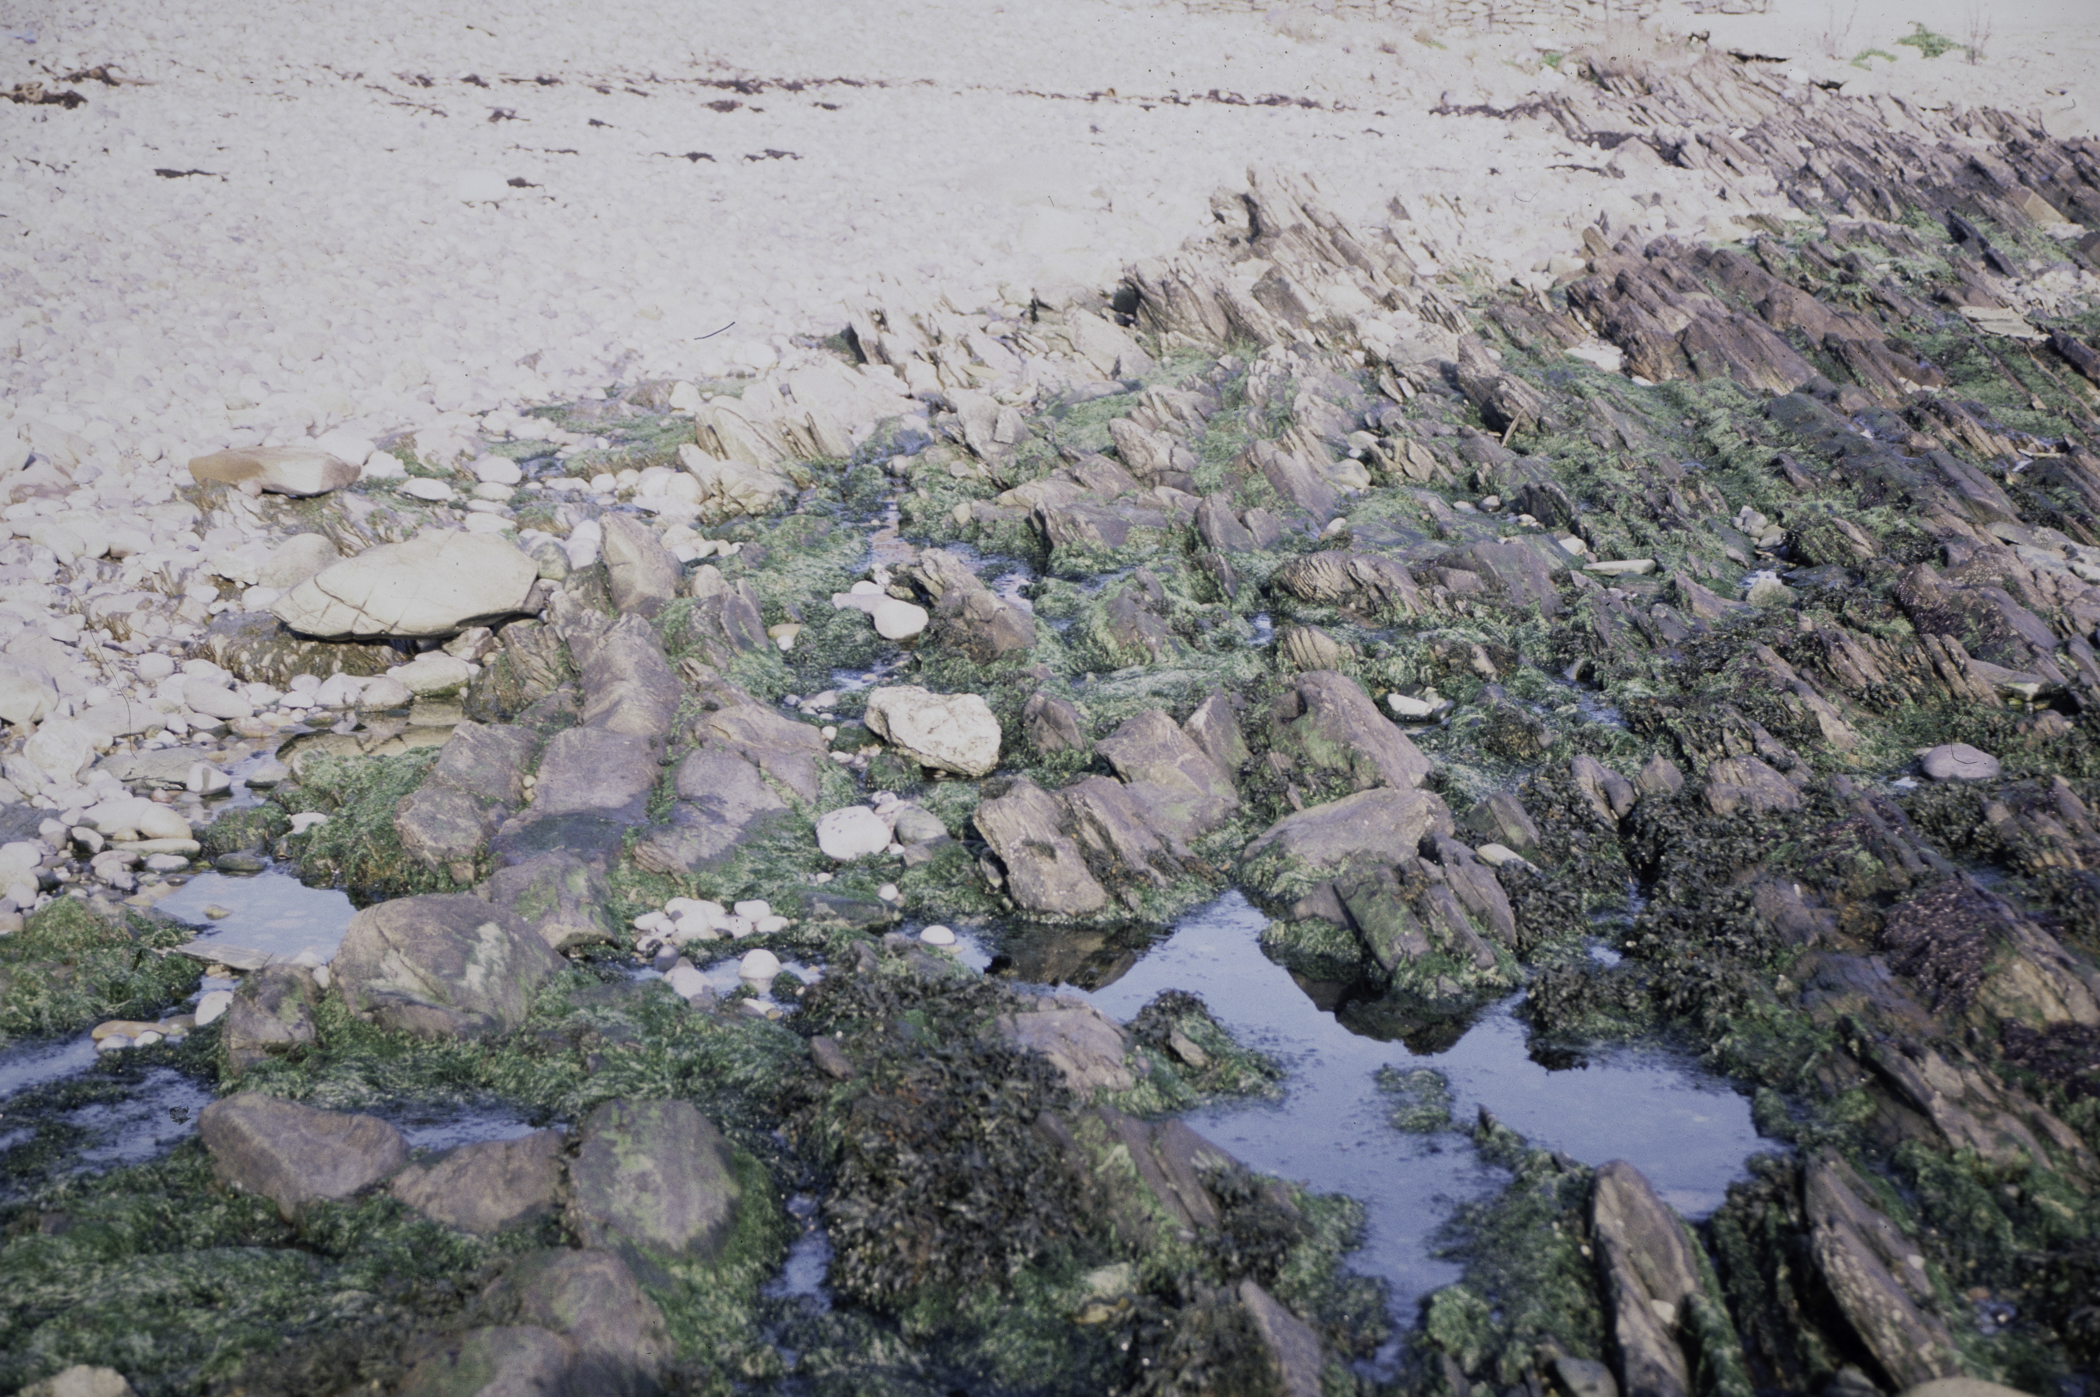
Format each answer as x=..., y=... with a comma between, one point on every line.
x=1926, y=41
x=1552, y=59
x=1859, y=60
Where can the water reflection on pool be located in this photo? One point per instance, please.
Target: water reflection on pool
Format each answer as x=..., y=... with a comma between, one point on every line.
x=1688, y=1132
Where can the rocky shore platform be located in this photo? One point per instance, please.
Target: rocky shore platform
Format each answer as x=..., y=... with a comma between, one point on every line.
x=1696, y=640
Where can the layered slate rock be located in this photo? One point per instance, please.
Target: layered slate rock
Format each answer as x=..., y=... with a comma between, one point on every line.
x=641, y=573
x=477, y=781
x=293, y=1154
x=436, y=584
x=723, y=800
x=1326, y=723
x=1380, y=826
x=1651, y=1274
x=1045, y=872
x=488, y=1185
x=1876, y=1275
x=442, y=965
x=1186, y=790
x=1085, y=1045
x=653, y=1178
x=563, y=898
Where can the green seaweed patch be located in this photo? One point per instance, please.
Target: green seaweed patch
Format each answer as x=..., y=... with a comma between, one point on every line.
x=1530, y=1277
x=1421, y=1098
x=1316, y=949
x=357, y=847
x=1189, y=1059
x=710, y=1307
x=72, y=965
x=157, y=1272
x=590, y=1038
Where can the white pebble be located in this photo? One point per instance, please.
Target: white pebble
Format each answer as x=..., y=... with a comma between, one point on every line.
x=211, y=1004
x=755, y=909
x=937, y=936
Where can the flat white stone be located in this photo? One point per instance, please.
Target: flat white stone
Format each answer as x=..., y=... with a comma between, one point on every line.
x=852, y=833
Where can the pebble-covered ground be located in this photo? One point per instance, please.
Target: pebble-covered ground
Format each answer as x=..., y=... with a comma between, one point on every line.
x=754, y=548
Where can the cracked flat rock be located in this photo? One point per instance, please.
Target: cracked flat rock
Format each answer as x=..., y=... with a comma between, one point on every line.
x=293, y=1154
x=950, y=732
x=436, y=584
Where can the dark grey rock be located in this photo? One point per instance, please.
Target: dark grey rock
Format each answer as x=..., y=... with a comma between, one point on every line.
x=653, y=1178
x=1216, y=729
x=1052, y=725
x=596, y=770
x=1293, y=1346
x=1328, y=723
x=442, y=965
x=1191, y=794
x=494, y=1361
x=641, y=573
x=293, y=1154
x=488, y=1185
x=563, y=899
x=1045, y=871
x=592, y=1299
x=1650, y=1273
x=272, y=1013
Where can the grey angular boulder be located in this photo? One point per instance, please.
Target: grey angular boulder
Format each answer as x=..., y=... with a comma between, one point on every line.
x=1747, y=784
x=1383, y=825
x=723, y=801
x=641, y=573
x=1867, y=1263
x=1053, y=725
x=1127, y=833
x=653, y=1178
x=1191, y=794
x=592, y=1299
x=293, y=1154
x=1045, y=872
x=564, y=899
x=272, y=1013
x=488, y=1185
x=1084, y=1044
x=435, y=584
x=442, y=965
x=789, y=752
x=984, y=627
x=594, y=769
x=1326, y=722
x=1296, y=1358
x=1216, y=729
x=1650, y=1274
x=492, y=1361
x=628, y=686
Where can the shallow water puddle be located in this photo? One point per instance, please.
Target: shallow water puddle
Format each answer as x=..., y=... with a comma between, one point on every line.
x=1688, y=1132
x=270, y=912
